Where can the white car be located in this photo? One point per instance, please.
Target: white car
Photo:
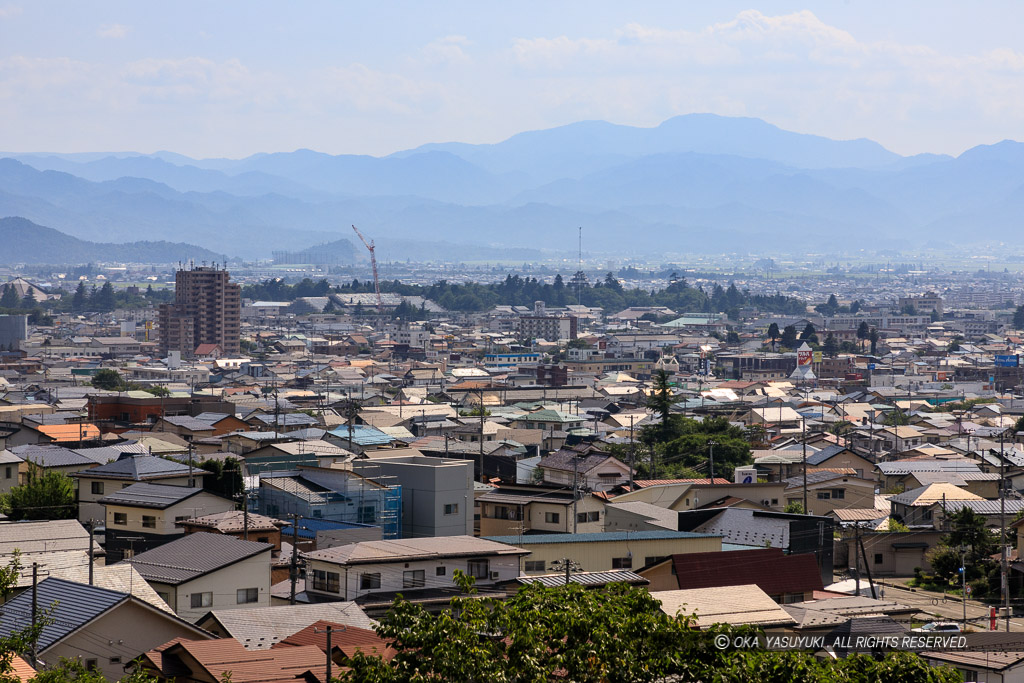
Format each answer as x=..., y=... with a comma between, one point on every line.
x=939, y=627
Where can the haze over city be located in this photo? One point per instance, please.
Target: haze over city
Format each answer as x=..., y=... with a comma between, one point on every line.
x=566, y=342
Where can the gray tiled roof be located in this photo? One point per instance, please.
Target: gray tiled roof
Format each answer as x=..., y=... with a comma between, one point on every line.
x=74, y=606
x=194, y=555
x=51, y=456
x=188, y=422
x=150, y=495
x=259, y=628
x=139, y=467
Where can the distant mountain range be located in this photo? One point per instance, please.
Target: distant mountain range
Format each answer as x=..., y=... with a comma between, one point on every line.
x=25, y=242
x=695, y=183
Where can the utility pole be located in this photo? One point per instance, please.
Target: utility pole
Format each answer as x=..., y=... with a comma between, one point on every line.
x=92, y=526
x=864, y=556
x=481, y=393
x=575, y=490
x=1005, y=582
x=294, y=573
x=803, y=439
x=191, y=479
x=856, y=559
x=963, y=581
x=711, y=462
x=35, y=610
x=330, y=650
x=632, y=452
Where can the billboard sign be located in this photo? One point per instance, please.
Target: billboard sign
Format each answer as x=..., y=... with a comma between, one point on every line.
x=804, y=357
x=817, y=356
x=1007, y=361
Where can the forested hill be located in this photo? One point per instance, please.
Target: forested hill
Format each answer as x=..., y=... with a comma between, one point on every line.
x=26, y=242
x=608, y=294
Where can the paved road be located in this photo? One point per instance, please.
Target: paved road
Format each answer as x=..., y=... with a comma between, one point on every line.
x=945, y=608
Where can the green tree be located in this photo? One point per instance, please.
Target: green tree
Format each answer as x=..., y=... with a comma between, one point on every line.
x=660, y=400
x=794, y=507
x=808, y=335
x=158, y=391
x=108, y=379
x=616, y=634
x=831, y=347
x=28, y=302
x=1018, y=318
x=9, y=299
x=80, y=301
x=773, y=334
x=863, y=332
x=873, y=338
x=789, y=337
x=106, y=301
x=49, y=495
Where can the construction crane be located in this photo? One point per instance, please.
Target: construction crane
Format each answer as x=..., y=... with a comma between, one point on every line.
x=373, y=262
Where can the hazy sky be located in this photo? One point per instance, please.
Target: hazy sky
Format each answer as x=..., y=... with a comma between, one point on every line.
x=233, y=78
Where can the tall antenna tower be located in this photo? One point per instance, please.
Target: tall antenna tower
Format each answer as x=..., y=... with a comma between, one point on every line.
x=579, y=268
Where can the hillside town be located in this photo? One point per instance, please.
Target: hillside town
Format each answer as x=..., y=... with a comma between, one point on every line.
x=214, y=479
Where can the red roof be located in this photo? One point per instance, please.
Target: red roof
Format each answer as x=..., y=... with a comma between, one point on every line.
x=214, y=658
x=348, y=639
x=773, y=572
x=204, y=349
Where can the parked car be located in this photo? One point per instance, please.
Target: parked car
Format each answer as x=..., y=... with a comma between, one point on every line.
x=939, y=627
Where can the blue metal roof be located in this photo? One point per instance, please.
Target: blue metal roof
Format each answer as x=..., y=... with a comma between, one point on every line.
x=599, y=537
x=363, y=435
x=74, y=606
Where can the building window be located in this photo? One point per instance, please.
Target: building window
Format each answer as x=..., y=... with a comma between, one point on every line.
x=202, y=600
x=584, y=517
x=244, y=596
x=478, y=569
x=534, y=565
x=369, y=581
x=654, y=559
x=149, y=521
x=180, y=518
x=263, y=539
x=440, y=571
x=451, y=509
x=551, y=517
x=92, y=664
x=163, y=596
x=839, y=493
x=878, y=558
x=823, y=495
x=326, y=581
x=622, y=562
x=96, y=487
x=121, y=518
x=414, y=578
x=115, y=660
x=7, y=472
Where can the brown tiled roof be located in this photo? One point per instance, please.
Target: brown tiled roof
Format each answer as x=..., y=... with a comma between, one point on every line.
x=768, y=568
x=348, y=639
x=218, y=657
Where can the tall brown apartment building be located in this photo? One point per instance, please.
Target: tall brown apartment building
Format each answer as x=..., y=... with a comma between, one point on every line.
x=206, y=310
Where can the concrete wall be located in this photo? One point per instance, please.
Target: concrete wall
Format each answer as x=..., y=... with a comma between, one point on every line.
x=598, y=556
x=428, y=485
x=392, y=574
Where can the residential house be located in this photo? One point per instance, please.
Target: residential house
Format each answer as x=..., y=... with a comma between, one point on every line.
x=192, y=661
x=593, y=470
x=185, y=426
x=260, y=628
x=510, y=509
x=241, y=525
x=129, y=468
x=200, y=572
x=786, y=578
x=102, y=628
x=143, y=516
x=353, y=571
x=594, y=552
x=48, y=543
x=924, y=507
x=795, y=534
x=828, y=490
x=836, y=456
x=12, y=471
